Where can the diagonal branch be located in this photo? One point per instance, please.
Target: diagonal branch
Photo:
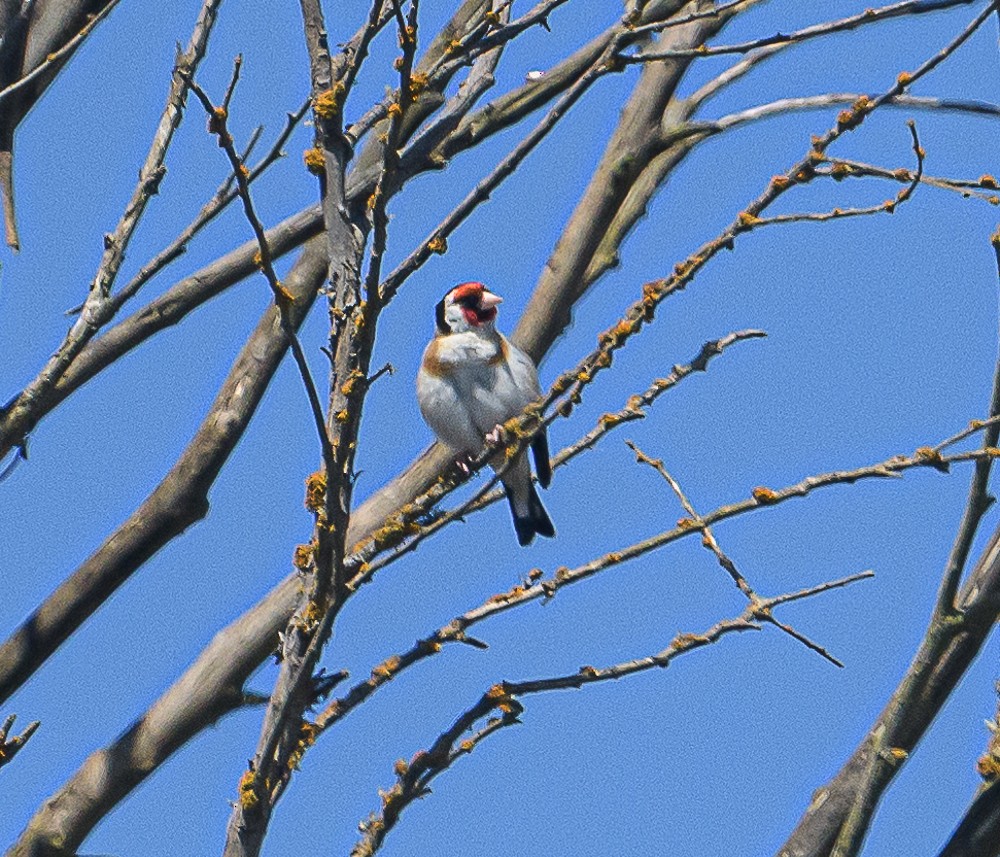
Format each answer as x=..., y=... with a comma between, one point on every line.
x=218, y=119
x=17, y=418
x=979, y=500
x=216, y=205
x=38, y=40
x=178, y=501
x=537, y=587
x=629, y=151
x=351, y=340
x=56, y=57
x=841, y=811
x=905, y=8
x=415, y=776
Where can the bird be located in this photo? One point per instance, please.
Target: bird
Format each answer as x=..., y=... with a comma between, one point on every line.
x=472, y=379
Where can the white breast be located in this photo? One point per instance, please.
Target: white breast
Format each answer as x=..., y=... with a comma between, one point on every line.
x=478, y=383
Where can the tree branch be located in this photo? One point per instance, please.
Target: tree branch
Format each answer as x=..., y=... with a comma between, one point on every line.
x=24, y=411
x=841, y=811
x=178, y=501
x=908, y=7
x=415, y=776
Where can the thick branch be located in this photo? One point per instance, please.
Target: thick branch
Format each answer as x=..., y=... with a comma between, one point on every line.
x=38, y=40
x=630, y=150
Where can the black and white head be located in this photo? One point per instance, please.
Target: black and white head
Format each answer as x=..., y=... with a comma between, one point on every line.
x=468, y=306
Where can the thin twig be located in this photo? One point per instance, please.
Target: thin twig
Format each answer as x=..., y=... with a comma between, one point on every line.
x=983, y=188
x=384, y=186
x=708, y=540
x=10, y=748
x=501, y=706
x=715, y=12
x=909, y=7
x=536, y=586
x=98, y=309
x=889, y=206
x=215, y=206
x=218, y=117
x=460, y=52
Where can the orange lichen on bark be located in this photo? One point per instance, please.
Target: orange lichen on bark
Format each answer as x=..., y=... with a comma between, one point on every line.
x=315, y=490
x=327, y=103
x=248, y=790
x=763, y=494
x=314, y=160
x=303, y=556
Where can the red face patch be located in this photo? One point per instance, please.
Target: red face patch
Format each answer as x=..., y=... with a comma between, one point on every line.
x=476, y=317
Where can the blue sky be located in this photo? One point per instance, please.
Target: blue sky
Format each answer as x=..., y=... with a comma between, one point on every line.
x=882, y=337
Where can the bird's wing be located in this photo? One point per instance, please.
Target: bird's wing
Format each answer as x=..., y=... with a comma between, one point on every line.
x=525, y=375
x=522, y=368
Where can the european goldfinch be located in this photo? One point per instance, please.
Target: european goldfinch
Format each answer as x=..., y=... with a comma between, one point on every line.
x=471, y=381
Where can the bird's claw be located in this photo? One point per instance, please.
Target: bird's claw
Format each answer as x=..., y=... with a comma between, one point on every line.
x=498, y=436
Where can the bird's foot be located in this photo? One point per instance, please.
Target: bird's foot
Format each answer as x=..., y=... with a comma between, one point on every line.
x=498, y=436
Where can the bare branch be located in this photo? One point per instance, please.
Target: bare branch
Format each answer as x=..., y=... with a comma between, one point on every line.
x=55, y=58
x=537, y=587
x=761, y=612
x=839, y=817
x=218, y=203
x=981, y=188
x=908, y=7
x=631, y=148
x=352, y=336
x=16, y=419
x=979, y=500
x=436, y=242
x=38, y=40
x=414, y=777
x=283, y=299
x=177, y=502
x=815, y=102
x=888, y=207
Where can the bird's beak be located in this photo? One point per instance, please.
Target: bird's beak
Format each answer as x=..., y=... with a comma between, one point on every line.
x=489, y=300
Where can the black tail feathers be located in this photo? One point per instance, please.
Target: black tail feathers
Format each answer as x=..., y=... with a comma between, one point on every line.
x=535, y=521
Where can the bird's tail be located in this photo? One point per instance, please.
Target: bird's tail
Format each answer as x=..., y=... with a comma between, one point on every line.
x=531, y=520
